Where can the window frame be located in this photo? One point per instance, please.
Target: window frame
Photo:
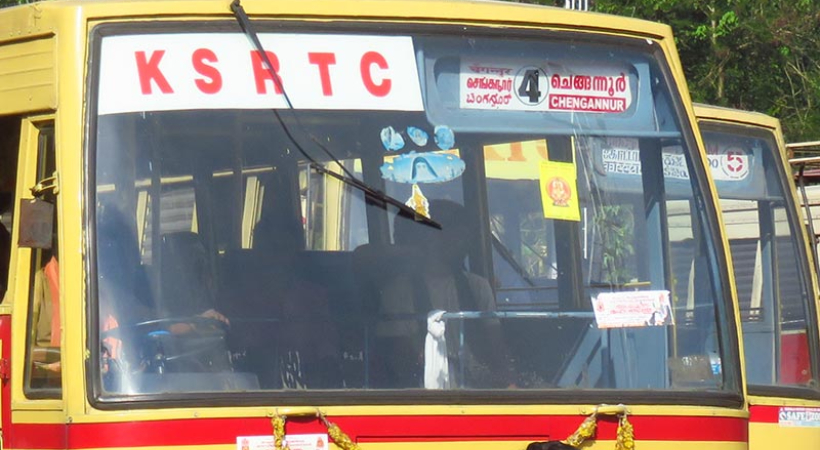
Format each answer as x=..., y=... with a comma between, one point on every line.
x=30, y=173
x=730, y=397
x=799, y=238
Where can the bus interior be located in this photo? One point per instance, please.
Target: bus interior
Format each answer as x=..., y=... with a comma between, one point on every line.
x=531, y=219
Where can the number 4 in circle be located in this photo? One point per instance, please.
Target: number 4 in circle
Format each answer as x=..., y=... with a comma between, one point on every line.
x=529, y=86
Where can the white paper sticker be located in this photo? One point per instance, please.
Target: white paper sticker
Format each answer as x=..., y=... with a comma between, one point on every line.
x=622, y=156
x=161, y=72
x=633, y=309
x=798, y=417
x=254, y=442
x=526, y=85
x=317, y=441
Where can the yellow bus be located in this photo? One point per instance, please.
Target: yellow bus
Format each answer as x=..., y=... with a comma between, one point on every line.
x=774, y=272
x=368, y=224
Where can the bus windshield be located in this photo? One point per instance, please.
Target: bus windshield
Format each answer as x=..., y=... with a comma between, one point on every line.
x=769, y=256
x=574, y=251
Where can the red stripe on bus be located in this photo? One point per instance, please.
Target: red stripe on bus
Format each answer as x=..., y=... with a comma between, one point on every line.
x=45, y=436
x=5, y=366
x=763, y=413
x=370, y=429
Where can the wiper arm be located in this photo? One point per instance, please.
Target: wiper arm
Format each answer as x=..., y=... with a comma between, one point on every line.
x=376, y=195
x=347, y=177
x=506, y=254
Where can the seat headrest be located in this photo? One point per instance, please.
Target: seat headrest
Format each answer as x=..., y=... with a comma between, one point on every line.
x=185, y=243
x=186, y=281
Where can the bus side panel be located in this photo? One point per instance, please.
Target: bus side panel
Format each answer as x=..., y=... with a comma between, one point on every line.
x=783, y=426
x=28, y=76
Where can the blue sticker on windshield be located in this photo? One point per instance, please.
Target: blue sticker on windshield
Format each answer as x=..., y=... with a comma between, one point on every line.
x=418, y=136
x=415, y=168
x=391, y=139
x=444, y=136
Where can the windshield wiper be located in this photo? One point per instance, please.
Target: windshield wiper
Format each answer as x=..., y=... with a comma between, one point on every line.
x=506, y=255
x=345, y=177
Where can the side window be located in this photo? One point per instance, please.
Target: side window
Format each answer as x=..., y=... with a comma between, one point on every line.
x=771, y=270
x=43, y=366
x=772, y=293
x=9, y=145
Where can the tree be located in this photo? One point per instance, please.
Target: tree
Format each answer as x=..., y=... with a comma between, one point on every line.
x=5, y=3
x=757, y=55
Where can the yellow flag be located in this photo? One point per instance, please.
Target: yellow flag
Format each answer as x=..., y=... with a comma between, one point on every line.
x=559, y=191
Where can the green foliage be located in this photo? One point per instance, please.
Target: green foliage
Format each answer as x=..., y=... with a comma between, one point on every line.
x=757, y=55
x=6, y=3
x=534, y=245
x=615, y=226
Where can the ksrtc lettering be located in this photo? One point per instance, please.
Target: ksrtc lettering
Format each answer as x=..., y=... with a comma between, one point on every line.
x=148, y=71
x=261, y=73
x=370, y=59
x=323, y=61
x=213, y=83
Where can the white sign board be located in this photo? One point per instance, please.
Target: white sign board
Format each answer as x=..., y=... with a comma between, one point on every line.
x=163, y=72
x=523, y=85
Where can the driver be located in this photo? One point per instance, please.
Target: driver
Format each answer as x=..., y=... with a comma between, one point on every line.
x=127, y=310
x=187, y=283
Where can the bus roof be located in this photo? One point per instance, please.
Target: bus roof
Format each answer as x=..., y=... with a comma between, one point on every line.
x=41, y=18
x=740, y=117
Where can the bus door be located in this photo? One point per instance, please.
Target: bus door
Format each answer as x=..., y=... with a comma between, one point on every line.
x=33, y=303
x=774, y=279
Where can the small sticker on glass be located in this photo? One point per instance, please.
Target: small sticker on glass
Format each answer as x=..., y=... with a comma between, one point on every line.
x=633, y=309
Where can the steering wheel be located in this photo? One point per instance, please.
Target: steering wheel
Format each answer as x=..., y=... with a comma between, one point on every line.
x=200, y=325
x=198, y=349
